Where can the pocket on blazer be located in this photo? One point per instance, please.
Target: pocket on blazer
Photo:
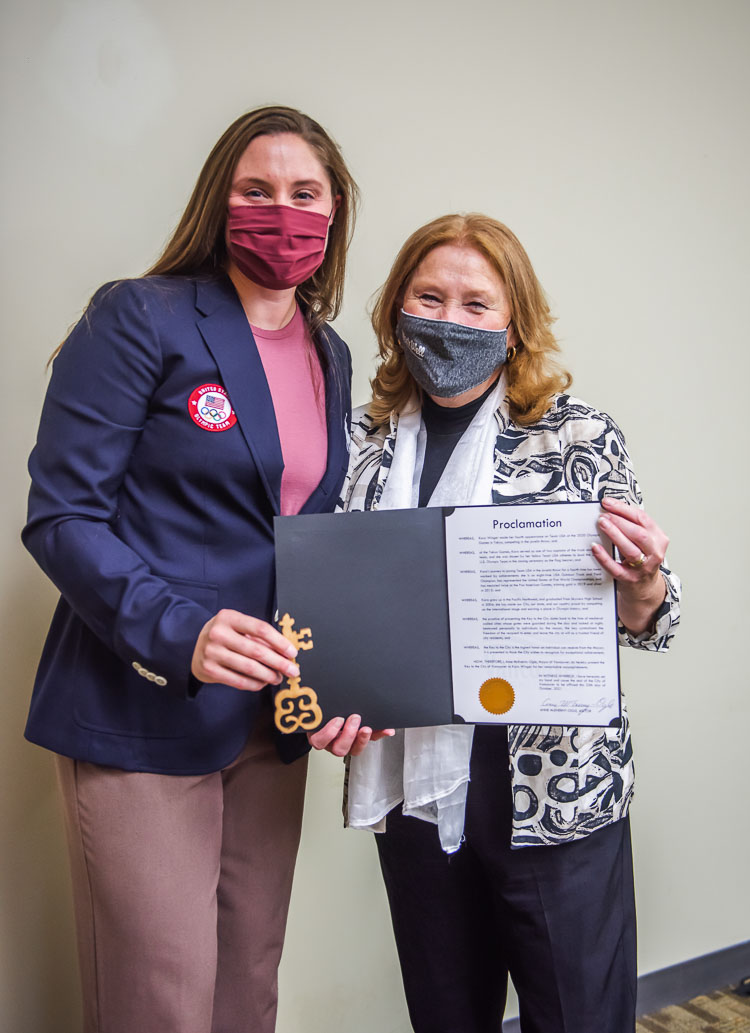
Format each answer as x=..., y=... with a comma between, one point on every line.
x=123, y=702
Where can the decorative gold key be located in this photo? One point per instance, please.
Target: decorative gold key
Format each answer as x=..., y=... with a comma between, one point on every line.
x=297, y=705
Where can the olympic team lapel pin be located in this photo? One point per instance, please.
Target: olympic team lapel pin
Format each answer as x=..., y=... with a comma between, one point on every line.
x=210, y=408
x=296, y=707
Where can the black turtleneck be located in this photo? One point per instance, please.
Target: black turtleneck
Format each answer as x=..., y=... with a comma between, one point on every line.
x=444, y=425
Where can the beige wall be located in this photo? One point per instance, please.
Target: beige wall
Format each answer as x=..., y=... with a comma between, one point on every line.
x=612, y=137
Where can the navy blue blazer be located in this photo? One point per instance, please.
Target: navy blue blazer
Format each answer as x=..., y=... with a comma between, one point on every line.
x=149, y=524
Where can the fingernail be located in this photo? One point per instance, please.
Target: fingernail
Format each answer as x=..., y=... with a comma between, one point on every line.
x=293, y=670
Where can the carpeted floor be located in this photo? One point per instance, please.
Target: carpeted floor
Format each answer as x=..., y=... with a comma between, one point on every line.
x=719, y=1012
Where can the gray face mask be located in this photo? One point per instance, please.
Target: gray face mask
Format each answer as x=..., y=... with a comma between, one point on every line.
x=447, y=359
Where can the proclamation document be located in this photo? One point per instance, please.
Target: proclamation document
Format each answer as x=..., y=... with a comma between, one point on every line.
x=532, y=616
x=418, y=617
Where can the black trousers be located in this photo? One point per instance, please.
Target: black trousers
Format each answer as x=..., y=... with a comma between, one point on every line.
x=559, y=919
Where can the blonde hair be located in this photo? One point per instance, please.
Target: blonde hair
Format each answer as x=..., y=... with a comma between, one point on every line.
x=533, y=373
x=198, y=246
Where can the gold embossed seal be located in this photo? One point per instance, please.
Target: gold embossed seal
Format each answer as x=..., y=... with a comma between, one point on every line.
x=497, y=696
x=296, y=707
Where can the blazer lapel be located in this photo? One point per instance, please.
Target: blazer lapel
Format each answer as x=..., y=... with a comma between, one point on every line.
x=226, y=331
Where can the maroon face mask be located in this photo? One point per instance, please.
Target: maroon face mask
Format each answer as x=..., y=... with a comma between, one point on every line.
x=276, y=246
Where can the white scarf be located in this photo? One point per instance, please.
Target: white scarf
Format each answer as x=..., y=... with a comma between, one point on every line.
x=427, y=768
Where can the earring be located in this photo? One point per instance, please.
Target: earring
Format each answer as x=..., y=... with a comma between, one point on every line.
x=511, y=353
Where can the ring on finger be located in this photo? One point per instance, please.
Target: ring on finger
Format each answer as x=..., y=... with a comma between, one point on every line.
x=634, y=564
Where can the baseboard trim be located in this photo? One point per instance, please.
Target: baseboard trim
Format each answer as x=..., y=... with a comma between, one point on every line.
x=690, y=978
x=683, y=981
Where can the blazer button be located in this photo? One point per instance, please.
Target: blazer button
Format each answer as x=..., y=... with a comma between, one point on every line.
x=136, y=666
x=150, y=675
x=160, y=680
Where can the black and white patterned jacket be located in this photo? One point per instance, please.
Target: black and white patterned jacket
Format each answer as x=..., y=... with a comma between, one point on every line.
x=567, y=782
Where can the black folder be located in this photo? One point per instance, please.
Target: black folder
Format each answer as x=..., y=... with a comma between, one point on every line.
x=371, y=587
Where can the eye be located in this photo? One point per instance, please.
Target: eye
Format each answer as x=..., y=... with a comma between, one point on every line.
x=477, y=306
x=254, y=193
x=429, y=299
x=304, y=195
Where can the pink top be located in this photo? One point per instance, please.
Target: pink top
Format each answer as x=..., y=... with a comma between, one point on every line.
x=298, y=392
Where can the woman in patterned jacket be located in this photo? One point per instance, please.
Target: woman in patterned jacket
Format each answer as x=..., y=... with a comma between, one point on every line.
x=522, y=862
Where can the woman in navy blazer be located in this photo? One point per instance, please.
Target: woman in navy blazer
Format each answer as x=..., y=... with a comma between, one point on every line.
x=155, y=480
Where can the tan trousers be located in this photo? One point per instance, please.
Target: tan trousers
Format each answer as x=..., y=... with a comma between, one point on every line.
x=181, y=887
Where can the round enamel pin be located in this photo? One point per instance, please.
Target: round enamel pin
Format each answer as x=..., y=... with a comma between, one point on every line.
x=210, y=408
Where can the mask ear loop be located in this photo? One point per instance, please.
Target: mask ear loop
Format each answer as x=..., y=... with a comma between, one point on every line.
x=336, y=204
x=331, y=215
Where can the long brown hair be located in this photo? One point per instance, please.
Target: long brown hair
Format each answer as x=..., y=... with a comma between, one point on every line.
x=533, y=374
x=198, y=246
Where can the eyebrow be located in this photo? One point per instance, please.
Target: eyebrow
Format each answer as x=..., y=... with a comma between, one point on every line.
x=258, y=181
x=424, y=284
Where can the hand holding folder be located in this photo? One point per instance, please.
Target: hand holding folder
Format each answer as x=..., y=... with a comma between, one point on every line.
x=346, y=737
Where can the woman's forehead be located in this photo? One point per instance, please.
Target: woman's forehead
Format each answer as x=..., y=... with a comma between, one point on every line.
x=284, y=155
x=458, y=262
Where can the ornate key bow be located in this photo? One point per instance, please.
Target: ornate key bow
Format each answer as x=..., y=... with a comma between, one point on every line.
x=296, y=706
